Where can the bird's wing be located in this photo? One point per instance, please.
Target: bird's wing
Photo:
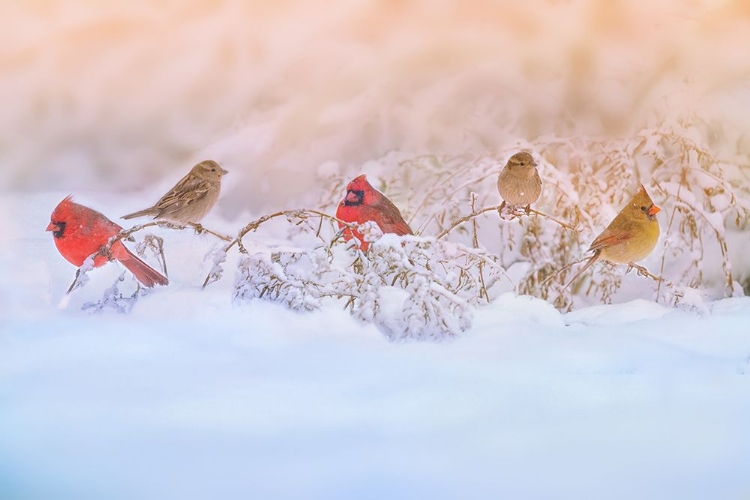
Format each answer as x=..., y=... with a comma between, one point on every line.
x=189, y=190
x=391, y=220
x=612, y=236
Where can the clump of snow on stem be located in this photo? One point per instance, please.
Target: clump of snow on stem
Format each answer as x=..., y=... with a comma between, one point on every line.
x=114, y=299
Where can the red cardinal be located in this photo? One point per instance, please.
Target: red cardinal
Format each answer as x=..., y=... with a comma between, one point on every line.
x=364, y=203
x=81, y=231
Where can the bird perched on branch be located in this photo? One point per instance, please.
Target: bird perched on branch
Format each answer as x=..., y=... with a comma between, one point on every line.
x=191, y=198
x=363, y=203
x=519, y=183
x=630, y=237
x=80, y=232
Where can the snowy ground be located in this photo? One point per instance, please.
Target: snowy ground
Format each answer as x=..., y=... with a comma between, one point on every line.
x=190, y=397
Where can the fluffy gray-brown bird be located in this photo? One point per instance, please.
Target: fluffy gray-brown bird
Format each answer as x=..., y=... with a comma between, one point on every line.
x=191, y=198
x=519, y=183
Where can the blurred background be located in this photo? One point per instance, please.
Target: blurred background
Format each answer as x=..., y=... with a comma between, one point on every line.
x=120, y=96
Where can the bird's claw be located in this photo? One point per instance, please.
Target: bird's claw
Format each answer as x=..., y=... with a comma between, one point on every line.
x=104, y=251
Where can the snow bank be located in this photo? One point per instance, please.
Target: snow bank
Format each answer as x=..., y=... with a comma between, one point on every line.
x=191, y=396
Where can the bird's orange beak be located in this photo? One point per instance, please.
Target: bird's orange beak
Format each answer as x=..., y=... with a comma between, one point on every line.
x=653, y=210
x=52, y=227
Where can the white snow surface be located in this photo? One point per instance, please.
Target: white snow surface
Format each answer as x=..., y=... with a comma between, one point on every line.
x=190, y=396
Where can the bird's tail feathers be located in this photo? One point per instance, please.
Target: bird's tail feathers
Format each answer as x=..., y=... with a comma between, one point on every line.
x=144, y=273
x=139, y=213
x=588, y=264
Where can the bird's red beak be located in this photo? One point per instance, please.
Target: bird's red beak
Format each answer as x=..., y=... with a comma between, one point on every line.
x=653, y=210
x=351, y=197
x=52, y=227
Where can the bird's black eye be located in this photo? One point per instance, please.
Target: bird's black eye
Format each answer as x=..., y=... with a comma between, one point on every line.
x=644, y=209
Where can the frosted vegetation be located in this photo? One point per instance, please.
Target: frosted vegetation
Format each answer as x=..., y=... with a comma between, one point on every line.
x=131, y=95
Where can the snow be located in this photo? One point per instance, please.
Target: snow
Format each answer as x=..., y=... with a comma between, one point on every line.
x=422, y=388
x=191, y=396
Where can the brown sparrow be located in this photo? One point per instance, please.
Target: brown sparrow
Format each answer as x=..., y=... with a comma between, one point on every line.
x=519, y=183
x=191, y=198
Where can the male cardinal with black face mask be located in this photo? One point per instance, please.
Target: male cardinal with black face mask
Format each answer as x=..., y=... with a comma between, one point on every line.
x=363, y=203
x=80, y=231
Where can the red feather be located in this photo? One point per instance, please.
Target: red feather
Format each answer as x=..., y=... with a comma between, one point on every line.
x=363, y=203
x=80, y=231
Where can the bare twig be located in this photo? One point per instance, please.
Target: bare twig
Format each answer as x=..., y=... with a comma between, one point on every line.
x=126, y=233
x=642, y=271
x=466, y=218
x=497, y=208
x=200, y=229
x=302, y=214
x=563, y=224
x=475, y=243
x=156, y=244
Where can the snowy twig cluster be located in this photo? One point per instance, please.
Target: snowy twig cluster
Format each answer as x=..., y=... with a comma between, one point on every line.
x=418, y=288
x=113, y=298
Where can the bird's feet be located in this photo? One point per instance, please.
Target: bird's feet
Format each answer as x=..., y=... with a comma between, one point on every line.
x=198, y=228
x=506, y=211
x=510, y=212
x=75, y=282
x=642, y=271
x=104, y=251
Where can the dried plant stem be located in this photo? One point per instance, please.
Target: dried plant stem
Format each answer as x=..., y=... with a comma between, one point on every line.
x=664, y=253
x=157, y=244
x=477, y=213
x=200, y=229
x=642, y=271
x=126, y=233
x=542, y=214
x=301, y=214
x=466, y=218
x=720, y=239
x=475, y=243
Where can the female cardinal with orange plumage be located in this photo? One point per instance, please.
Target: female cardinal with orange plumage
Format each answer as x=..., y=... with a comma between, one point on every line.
x=630, y=237
x=80, y=231
x=363, y=203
